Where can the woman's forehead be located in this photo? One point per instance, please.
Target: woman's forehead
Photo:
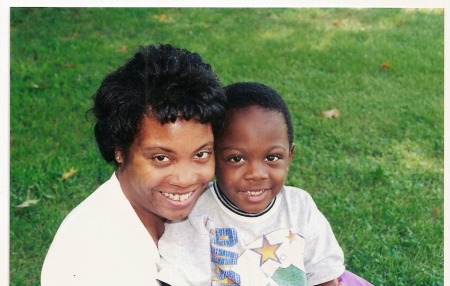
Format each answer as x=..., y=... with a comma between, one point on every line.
x=188, y=133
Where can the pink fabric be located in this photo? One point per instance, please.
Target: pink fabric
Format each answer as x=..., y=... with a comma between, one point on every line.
x=350, y=279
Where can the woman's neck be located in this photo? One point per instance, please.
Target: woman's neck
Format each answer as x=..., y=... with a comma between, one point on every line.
x=153, y=223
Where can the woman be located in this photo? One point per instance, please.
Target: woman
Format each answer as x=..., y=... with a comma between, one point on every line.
x=155, y=121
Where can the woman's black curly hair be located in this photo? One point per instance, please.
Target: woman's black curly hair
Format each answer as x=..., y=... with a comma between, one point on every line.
x=162, y=81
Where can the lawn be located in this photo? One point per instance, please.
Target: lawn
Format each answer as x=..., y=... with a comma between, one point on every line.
x=376, y=171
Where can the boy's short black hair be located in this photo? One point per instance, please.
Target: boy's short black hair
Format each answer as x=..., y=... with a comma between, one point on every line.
x=162, y=81
x=245, y=94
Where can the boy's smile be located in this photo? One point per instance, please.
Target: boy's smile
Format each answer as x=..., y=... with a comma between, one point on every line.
x=252, y=157
x=256, y=197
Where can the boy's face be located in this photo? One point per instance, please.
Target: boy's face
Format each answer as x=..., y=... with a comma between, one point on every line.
x=252, y=157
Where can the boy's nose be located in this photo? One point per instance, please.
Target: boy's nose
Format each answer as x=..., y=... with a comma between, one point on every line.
x=256, y=171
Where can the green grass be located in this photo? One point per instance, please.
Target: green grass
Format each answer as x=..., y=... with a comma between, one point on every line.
x=376, y=172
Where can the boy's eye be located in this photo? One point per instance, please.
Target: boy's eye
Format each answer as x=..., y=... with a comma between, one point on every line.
x=272, y=158
x=236, y=159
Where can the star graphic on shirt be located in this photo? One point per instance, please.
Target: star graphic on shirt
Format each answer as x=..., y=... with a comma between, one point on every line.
x=267, y=251
x=292, y=236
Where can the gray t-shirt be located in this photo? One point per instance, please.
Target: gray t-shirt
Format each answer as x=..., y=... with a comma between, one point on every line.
x=289, y=243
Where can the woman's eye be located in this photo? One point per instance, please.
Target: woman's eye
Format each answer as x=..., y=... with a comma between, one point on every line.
x=236, y=159
x=272, y=158
x=161, y=158
x=202, y=155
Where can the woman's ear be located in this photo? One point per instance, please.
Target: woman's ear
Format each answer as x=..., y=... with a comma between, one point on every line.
x=118, y=156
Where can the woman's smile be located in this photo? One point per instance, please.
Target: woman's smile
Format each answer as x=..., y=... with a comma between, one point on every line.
x=177, y=197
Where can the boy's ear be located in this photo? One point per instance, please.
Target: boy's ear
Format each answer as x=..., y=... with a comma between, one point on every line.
x=291, y=152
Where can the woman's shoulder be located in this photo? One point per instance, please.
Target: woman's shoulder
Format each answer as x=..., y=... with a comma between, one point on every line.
x=106, y=200
x=96, y=236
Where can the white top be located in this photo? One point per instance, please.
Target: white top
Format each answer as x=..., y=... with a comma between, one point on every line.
x=289, y=243
x=102, y=242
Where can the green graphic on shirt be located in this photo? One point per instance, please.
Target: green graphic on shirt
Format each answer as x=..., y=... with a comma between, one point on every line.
x=290, y=276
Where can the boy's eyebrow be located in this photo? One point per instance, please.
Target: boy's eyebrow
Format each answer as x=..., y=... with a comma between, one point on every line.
x=276, y=147
x=243, y=149
x=233, y=148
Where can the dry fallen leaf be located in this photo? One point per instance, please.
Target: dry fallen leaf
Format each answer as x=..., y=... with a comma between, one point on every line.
x=385, y=66
x=123, y=49
x=67, y=175
x=333, y=113
x=161, y=17
x=33, y=85
x=69, y=66
x=27, y=201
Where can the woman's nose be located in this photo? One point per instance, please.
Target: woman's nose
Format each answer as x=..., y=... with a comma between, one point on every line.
x=184, y=175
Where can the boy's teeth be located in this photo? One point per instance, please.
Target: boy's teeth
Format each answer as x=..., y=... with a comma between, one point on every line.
x=177, y=197
x=252, y=193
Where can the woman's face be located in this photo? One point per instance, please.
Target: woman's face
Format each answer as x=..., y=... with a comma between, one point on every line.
x=168, y=167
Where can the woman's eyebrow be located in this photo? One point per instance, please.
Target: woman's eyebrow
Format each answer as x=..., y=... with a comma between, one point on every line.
x=160, y=148
x=208, y=144
x=156, y=148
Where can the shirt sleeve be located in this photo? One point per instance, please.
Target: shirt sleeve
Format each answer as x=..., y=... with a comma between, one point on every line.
x=185, y=253
x=324, y=258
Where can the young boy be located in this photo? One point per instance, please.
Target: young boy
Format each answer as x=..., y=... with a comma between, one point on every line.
x=248, y=228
